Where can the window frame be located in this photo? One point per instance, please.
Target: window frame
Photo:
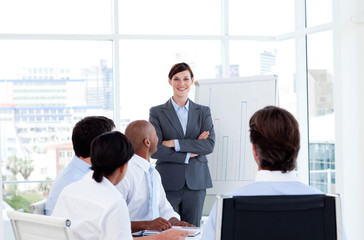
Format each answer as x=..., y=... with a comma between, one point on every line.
x=299, y=36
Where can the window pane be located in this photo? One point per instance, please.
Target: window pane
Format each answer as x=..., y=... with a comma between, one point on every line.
x=170, y=17
x=249, y=58
x=321, y=111
x=145, y=66
x=261, y=17
x=45, y=88
x=56, y=16
x=318, y=12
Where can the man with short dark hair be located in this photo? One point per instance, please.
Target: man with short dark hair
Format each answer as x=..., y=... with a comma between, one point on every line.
x=83, y=133
x=275, y=136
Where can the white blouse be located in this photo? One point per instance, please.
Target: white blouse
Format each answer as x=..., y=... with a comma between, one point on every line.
x=96, y=210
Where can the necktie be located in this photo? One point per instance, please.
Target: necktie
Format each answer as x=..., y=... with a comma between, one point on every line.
x=153, y=193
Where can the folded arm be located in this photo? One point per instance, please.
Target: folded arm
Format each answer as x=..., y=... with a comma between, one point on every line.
x=202, y=145
x=165, y=154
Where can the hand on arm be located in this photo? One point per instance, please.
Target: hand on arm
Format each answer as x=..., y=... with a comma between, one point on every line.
x=168, y=143
x=192, y=155
x=204, y=135
x=175, y=222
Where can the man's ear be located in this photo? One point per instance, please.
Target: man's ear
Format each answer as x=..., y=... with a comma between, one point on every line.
x=255, y=154
x=123, y=168
x=170, y=81
x=146, y=142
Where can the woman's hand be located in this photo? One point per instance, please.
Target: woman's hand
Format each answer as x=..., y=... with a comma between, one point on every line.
x=168, y=143
x=204, y=135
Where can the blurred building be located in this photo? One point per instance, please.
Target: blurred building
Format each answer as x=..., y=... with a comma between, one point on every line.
x=40, y=108
x=267, y=61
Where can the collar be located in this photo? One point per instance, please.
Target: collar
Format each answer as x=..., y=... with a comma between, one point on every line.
x=78, y=162
x=275, y=176
x=177, y=107
x=141, y=162
x=105, y=181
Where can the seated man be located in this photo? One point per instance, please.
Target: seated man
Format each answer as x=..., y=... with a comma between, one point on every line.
x=145, y=197
x=275, y=136
x=83, y=134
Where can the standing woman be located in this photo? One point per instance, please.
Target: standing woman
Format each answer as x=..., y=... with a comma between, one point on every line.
x=94, y=205
x=186, y=135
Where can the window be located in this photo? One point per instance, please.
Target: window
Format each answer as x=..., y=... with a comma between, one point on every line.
x=201, y=17
x=261, y=17
x=147, y=74
x=82, y=62
x=321, y=111
x=318, y=12
x=62, y=16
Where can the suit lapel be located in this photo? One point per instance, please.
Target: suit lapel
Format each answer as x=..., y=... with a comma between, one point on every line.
x=193, y=115
x=173, y=118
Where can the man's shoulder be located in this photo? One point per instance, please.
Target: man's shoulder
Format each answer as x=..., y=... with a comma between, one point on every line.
x=275, y=188
x=133, y=173
x=69, y=175
x=133, y=169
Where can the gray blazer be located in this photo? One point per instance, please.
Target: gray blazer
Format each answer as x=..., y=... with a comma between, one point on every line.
x=170, y=164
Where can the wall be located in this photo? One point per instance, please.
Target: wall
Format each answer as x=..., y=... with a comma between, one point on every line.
x=349, y=102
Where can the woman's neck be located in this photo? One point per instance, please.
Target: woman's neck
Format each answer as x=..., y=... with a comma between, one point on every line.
x=181, y=101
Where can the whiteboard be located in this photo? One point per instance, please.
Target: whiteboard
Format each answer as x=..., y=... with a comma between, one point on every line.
x=232, y=102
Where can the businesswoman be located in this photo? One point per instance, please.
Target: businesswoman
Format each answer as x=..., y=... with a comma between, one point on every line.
x=93, y=204
x=186, y=135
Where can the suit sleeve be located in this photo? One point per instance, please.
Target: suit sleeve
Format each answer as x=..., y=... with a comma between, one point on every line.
x=201, y=147
x=164, y=154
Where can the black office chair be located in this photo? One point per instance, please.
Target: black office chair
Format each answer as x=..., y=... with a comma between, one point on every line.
x=292, y=217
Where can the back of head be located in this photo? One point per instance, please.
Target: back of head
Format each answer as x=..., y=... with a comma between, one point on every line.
x=137, y=131
x=109, y=151
x=179, y=67
x=86, y=130
x=275, y=134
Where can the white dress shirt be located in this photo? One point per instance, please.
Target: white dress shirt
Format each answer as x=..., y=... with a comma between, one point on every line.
x=96, y=210
x=182, y=114
x=135, y=190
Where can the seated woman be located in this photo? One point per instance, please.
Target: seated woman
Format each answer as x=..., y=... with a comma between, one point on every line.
x=93, y=204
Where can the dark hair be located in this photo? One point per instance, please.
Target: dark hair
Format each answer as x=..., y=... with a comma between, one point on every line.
x=86, y=130
x=179, y=67
x=276, y=137
x=109, y=151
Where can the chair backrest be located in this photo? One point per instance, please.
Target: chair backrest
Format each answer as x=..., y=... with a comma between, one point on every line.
x=28, y=226
x=299, y=217
x=38, y=207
